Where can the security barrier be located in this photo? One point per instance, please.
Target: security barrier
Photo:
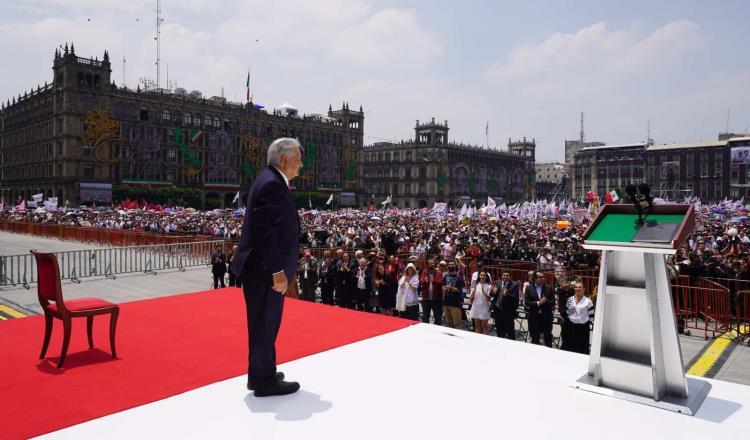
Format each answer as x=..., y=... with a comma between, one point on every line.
x=110, y=262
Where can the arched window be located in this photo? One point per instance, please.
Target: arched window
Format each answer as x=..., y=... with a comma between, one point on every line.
x=188, y=119
x=165, y=115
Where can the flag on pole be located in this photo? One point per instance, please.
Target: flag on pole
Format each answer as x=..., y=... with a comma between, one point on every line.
x=487, y=129
x=386, y=201
x=236, y=197
x=247, y=85
x=330, y=199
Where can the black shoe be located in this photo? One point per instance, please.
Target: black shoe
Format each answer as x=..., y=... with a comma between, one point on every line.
x=281, y=388
x=279, y=377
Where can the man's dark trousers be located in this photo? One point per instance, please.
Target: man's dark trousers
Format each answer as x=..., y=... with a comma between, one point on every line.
x=264, y=308
x=505, y=324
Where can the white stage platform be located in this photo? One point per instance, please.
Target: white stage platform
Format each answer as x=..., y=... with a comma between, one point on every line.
x=424, y=382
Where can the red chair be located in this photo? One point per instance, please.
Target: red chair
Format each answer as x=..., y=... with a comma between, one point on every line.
x=54, y=306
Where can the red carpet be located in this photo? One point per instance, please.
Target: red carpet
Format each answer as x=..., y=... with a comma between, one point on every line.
x=166, y=346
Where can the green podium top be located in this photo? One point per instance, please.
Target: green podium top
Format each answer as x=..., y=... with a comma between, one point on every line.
x=621, y=228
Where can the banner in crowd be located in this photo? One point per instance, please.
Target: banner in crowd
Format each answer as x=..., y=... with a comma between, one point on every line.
x=50, y=205
x=439, y=207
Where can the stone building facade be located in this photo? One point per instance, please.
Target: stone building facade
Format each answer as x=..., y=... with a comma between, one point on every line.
x=673, y=171
x=82, y=133
x=417, y=173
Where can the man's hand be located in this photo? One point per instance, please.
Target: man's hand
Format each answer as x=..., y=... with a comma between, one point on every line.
x=543, y=300
x=280, y=282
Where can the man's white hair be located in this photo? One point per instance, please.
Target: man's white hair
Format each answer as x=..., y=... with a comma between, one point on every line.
x=281, y=147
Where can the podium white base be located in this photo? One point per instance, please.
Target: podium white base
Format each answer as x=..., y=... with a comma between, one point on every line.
x=697, y=391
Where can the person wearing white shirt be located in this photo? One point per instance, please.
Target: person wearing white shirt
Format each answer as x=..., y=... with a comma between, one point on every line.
x=407, y=286
x=576, y=321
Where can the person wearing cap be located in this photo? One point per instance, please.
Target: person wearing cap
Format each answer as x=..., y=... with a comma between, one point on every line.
x=407, y=286
x=307, y=274
x=431, y=288
x=453, y=286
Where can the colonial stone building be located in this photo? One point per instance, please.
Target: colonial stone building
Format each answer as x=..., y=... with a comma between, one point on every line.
x=674, y=171
x=417, y=173
x=80, y=134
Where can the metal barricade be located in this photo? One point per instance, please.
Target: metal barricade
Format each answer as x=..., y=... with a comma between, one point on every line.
x=109, y=262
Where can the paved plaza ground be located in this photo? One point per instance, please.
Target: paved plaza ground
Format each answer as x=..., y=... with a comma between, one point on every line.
x=734, y=364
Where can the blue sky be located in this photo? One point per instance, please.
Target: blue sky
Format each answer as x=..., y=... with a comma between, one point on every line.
x=527, y=67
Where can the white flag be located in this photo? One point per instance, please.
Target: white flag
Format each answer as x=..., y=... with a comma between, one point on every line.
x=50, y=204
x=491, y=202
x=38, y=198
x=330, y=199
x=463, y=211
x=236, y=197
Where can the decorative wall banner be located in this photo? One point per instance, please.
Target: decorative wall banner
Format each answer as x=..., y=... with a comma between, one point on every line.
x=350, y=171
x=143, y=158
x=460, y=175
x=221, y=158
x=518, y=183
x=193, y=164
x=442, y=177
x=308, y=160
x=329, y=173
x=99, y=130
x=481, y=180
x=250, y=146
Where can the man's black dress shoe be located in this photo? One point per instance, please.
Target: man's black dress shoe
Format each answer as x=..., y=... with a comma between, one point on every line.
x=279, y=377
x=281, y=388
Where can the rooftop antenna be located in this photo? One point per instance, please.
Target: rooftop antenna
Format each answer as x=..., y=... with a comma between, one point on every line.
x=168, y=88
x=648, y=133
x=583, y=138
x=124, y=84
x=158, y=42
x=726, y=130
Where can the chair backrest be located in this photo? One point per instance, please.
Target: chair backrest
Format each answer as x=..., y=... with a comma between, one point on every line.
x=48, y=276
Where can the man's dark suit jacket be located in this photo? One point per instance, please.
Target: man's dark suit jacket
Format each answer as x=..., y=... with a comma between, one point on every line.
x=270, y=231
x=531, y=300
x=506, y=303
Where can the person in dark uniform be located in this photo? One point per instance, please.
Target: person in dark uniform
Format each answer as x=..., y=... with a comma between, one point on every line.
x=504, y=305
x=327, y=278
x=539, y=299
x=266, y=260
x=218, y=266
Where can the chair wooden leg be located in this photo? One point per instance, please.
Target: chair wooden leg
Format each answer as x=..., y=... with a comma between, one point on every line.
x=112, y=331
x=90, y=330
x=48, y=319
x=66, y=340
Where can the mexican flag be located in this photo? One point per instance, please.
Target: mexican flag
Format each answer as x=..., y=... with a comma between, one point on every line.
x=612, y=196
x=195, y=135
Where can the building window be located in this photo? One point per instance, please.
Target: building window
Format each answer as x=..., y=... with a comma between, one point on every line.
x=88, y=171
x=166, y=116
x=171, y=154
x=188, y=119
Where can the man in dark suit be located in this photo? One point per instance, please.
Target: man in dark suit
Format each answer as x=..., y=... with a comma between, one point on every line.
x=266, y=261
x=218, y=266
x=539, y=299
x=504, y=305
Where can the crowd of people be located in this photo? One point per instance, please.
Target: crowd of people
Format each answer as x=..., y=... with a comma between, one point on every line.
x=354, y=256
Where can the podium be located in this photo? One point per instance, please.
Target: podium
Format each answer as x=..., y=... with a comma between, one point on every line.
x=635, y=352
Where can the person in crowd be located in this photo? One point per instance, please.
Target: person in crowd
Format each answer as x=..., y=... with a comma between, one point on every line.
x=218, y=266
x=363, y=288
x=576, y=319
x=565, y=290
x=307, y=275
x=407, y=286
x=504, y=306
x=480, y=306
x=386, y=286
x=453, y=286
x=345, y=282
x=539, y=299
x=431, y=288
x=233, y=280
x=327, y=279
